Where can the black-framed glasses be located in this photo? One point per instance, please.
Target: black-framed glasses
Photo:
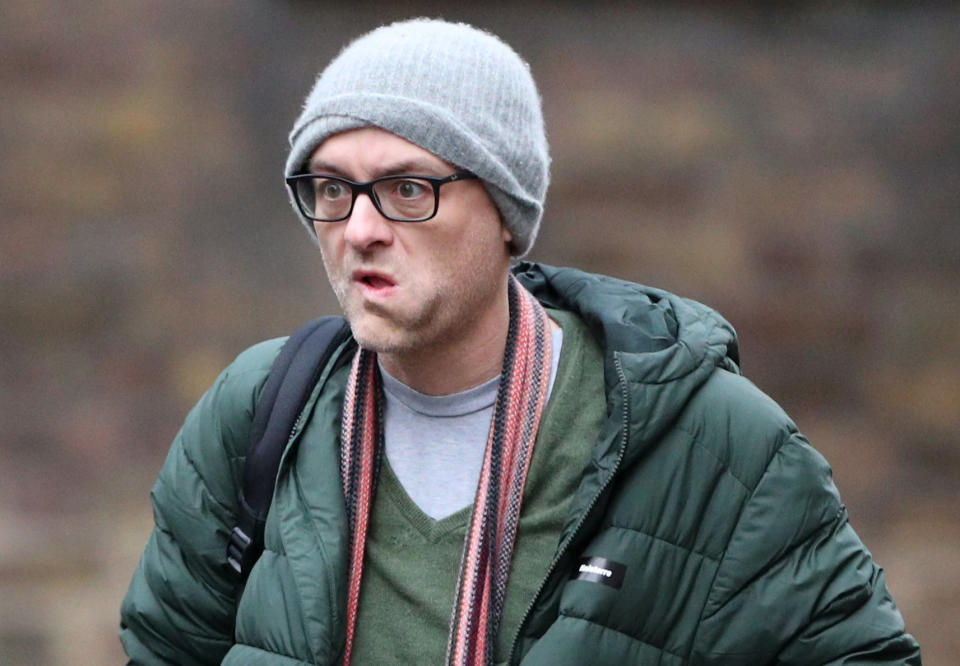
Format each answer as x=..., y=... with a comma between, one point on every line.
x=399, y=198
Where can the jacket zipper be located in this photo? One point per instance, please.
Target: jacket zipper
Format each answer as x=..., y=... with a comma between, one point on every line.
x=294, y=431
x=563, y=549
x=298, y=426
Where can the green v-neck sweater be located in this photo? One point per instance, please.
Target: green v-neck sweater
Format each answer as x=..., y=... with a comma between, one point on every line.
x=412, y=561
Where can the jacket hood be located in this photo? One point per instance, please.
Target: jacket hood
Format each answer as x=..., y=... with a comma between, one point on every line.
x=659, y=348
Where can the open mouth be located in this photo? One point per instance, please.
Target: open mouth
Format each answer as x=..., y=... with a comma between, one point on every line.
x=376, y=281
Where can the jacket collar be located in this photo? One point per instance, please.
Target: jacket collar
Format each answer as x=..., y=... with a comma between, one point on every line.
x=659, y=348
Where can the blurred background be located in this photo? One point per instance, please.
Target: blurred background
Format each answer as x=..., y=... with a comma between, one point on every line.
x=796, y=168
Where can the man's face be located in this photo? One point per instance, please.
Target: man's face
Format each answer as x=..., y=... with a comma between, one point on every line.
x=410, y=287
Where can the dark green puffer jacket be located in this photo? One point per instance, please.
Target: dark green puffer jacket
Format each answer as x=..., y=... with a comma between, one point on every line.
x=735, y=544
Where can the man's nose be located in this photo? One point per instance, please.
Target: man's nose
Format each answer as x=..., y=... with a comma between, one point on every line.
x=366, y=226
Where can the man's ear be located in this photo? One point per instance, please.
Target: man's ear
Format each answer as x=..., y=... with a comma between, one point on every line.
x=506, y=234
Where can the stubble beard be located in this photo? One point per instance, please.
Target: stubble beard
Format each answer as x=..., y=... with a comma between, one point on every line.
x=386, y=331
x=376, y=328
x=438, y=316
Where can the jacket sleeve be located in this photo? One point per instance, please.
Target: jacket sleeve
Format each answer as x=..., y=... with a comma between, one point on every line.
x=180, y=606
x=795, y=584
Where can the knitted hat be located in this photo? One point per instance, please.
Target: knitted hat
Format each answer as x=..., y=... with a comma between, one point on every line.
x=454, y=90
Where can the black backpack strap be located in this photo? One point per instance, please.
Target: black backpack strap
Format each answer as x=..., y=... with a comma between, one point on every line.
x=292, y=378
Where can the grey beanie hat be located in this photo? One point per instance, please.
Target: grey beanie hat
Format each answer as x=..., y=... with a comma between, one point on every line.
x=452, y=89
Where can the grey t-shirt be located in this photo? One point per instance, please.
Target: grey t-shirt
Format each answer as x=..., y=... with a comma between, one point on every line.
x=435, y=444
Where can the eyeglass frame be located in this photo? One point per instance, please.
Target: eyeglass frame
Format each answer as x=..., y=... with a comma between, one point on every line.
x=357, y=188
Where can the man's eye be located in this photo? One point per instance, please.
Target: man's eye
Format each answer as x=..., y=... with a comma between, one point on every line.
x=330, y=189
x=409, y=189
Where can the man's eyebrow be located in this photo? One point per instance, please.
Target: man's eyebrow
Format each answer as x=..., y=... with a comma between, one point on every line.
x=319, y=166
x=411, y=167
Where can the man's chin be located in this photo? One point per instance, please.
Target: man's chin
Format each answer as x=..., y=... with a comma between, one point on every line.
x=378, y=334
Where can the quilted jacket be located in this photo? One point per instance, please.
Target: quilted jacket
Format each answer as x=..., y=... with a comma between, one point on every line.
x=724, y=535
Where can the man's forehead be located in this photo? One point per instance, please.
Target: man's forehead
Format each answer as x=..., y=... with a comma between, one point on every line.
x=374, y=152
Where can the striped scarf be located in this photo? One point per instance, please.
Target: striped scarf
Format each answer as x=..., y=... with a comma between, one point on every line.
x=488, y=546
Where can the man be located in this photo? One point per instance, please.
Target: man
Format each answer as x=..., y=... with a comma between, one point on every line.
x=502, y=465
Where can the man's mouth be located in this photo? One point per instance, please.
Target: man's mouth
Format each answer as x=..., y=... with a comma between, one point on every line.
x=373, y=281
